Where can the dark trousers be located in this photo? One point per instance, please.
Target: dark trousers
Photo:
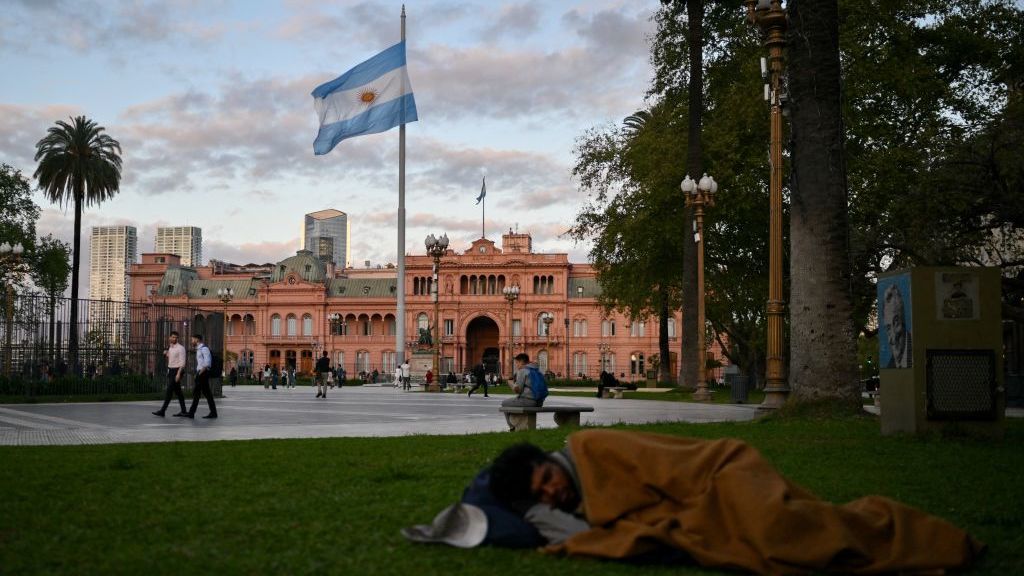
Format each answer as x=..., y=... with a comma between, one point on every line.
x=173, y=388
x=477, y=385
x=202, y=388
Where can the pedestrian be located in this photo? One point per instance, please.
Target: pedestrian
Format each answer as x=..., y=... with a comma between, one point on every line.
x=233, y=376
x=265, y=377
x=323, y=367
x=375, y=375
x=406, y=376
x=429, y=376
x=284, y=378
x=204, y=362
x=176, y=356
x=479, y=379
x=452, y=380
x=273, y=377
x=398, y=376
x=291, y=376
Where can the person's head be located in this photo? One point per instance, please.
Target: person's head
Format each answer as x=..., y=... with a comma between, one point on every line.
x=174, y=337
x=523, y=475
x=894, y=318
x=197, y=339
x=522, y=359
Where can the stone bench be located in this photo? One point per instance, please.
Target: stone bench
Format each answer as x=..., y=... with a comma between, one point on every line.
x=615, y=392
x=525, y=417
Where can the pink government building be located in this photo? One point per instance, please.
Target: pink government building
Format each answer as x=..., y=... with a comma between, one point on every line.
x=282, y=315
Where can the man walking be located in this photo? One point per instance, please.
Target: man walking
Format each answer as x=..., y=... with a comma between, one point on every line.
x=479, y=379
x=323, y=366
x=204, y=361
x=176, y=355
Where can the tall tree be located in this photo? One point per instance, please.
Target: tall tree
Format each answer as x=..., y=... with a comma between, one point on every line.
x=823, y=342
x=51, y=264
x=18, y=215
x=80, y=165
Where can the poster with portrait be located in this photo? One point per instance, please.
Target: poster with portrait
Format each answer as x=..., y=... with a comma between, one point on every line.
x=895, y=322
x=956, y=295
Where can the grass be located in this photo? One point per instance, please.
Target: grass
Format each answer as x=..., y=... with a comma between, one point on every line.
x=336, y=505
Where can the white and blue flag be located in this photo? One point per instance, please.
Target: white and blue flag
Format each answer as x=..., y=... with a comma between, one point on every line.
x=372, y=97
x=483, y=191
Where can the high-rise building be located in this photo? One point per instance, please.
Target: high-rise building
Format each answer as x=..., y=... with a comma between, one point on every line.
x=112, y=252
x=185, y=241
x=326, y=235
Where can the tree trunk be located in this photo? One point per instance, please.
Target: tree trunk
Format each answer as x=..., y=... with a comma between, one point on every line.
x=73, y=321
x=690, y=370
x=823, y=343
x=664, y=366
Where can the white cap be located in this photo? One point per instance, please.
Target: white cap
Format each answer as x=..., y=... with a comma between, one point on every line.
x=460, y=525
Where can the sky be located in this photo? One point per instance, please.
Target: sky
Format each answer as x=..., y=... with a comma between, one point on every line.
x=211, y=104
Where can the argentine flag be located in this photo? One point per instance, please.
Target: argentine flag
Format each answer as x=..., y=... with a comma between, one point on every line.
x=372, y=97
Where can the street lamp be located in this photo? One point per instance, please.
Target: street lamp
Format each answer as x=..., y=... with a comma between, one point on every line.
x=14, y=253
x=698, y=195
x=225, y=295
x=547, y=319
x=771, y=18
x=511, y=294
x=436, y=247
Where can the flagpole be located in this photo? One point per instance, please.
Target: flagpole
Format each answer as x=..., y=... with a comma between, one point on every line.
x=400, y=288
x=483, y=212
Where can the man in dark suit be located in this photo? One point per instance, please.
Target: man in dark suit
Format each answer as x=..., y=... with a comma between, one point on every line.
x=479, y=379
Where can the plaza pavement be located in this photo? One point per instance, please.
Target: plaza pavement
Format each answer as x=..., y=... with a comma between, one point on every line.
x=251, y=412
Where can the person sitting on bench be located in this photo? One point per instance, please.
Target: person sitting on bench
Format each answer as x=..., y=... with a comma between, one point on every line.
x=524, y=395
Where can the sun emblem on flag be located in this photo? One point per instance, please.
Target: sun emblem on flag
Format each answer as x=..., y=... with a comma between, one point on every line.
x=368, y=96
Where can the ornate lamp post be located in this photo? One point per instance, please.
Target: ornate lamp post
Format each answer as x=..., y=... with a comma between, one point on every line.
x=14, y=253
x=698, y=195
x=225, y=295
x=547, y=319
x=511, y=294
x=771, y=18
x=338, y=326
x=436, y=248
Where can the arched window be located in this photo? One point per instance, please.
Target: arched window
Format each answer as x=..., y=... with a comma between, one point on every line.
x=463, y=285
x=275, y=325
x=472, y=285
x=536, y=284
x=307, y=325
x=542, y=361
x=492, y=285
x=292, y=325
x=250, y=324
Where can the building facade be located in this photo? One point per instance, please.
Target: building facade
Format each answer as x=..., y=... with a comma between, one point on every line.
x=326, y=234
x=112, y=252
x=302, y=310
x=185, y=241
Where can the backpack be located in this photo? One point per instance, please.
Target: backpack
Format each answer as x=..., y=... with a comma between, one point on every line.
x=538, y=385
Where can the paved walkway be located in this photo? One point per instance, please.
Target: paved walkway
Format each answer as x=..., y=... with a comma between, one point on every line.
x=250, y=412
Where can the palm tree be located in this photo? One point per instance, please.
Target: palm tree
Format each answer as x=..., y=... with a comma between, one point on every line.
x=78, y=164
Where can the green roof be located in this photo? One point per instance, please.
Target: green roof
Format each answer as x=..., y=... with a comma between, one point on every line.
x=591, y=288
x=362, y=288
x=176, y=280
x=304, y=264
x=243, y=289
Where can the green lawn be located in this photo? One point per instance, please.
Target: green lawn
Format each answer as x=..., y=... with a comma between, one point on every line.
x=335, y=505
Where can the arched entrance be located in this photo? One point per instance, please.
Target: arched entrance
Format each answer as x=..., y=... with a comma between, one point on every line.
x=482, y=344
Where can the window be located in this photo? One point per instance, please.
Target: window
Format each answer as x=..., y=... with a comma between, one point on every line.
x=275, y=325
x=203, y=292
x=339, y=359
x=231, y=327
x=150, y=290
x=607, y=328
x=517, y=327
x=362, y=361
x=387, y=362
x=170, y=288
x=542, y=361
x=447, y=364
x=543, y=327
x=307, y=325
x=389, y=325
x=292, y=325
x=422, y=322
x=636, y=365
x=449, y=327
x=579, y=364
x=160, y=260
x=671, y=327
x=579, y=328
x=636, y=329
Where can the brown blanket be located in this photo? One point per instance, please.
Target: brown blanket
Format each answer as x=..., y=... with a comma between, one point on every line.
x=726, y=506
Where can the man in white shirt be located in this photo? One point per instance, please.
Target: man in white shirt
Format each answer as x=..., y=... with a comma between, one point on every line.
x=204, y=361
x=406, y=379
x=176, y=356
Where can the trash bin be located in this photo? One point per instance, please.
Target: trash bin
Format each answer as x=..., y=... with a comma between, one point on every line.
x=738, y=390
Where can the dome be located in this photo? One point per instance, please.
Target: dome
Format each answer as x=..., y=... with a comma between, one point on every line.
x=303, y=264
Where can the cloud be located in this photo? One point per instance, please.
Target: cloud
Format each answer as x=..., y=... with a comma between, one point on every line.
x=22, y=126
x=514, y=20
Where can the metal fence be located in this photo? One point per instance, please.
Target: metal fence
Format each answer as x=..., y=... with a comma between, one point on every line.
x=120, y=345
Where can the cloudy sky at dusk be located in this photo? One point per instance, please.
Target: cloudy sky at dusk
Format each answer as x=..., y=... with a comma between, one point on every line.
x=211, y=103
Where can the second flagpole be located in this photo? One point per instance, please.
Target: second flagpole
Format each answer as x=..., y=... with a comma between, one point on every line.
x=400, y=288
